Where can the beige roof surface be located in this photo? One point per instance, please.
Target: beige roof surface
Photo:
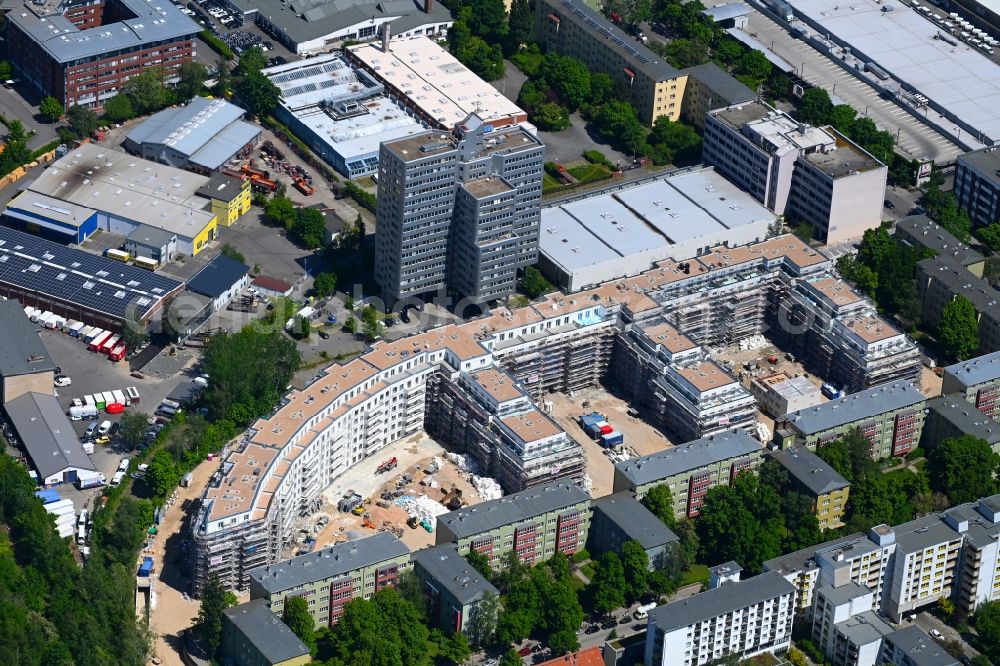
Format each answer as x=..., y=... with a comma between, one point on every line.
x=706, y=376
x=532, y=425
x=498, y=384
x=668, y=336
x=872, y=328
x=838, y=291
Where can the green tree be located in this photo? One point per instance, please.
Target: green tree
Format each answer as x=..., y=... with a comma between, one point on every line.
x=325, y=284
x=229, y=250
x=192, y=76
x=741, y=522
x=632, y=12
x=252, y=61
x=534, y=284
x=661, y=503
x=522, y=612
x=815, y=107
x=683, y=53
x=147, y=92
x=602, y=87
x=6, y=70
x=801, y=526
x=208, y=627
x=281, y=210
x=223, y=77
x=987, y=623
x=132, y=429
x=51, y=109
x=755, y=66
x=82, y=121
x=674, y=142
x=162, y=475
x=488, y=20
x=118, y=109
x=963, y=468
x=607, y=587
x=863, y=277
x=372, y=330
x=15, y=131
x=635, y=561
x=990, y=236
x=310, y=227
x=958, y=328
x=452, y=647
x=483, y=620
x=550, y=117
x=728, y=52
x=300, y=621
x=842, y=117
x=617, y=122
x=480, y=563
x=511, y=658
x=249, y=370
x=568, y=77
x=258, y=94
x=351, y=325
x=520, y=25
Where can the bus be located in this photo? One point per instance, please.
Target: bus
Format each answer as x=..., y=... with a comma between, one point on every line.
x=117, y=255
x=96, y=343
x=148, y=264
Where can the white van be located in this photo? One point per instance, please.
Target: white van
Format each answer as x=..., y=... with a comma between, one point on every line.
x=123, y=465
x=643, y=611
x=104, y=428
x=117, y=478
x=81, y=528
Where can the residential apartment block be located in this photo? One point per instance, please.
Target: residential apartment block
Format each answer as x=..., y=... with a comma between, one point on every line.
x=890, y=416
x=977, y=381
x=690, y=470
x=977, y=185
x=82, y=53
x=688, y=394
x=329, y=578
x=254, y=636
x=814, y=477
x=940, y=280
x=743, y=618
x=923, y=233
x=534, y=524
x=573, y=28
x=458, y=211
x=950, y=416
x=618, y=518
x=810, y=174
x=910, y=646
x=452, y=587
x=839, y=336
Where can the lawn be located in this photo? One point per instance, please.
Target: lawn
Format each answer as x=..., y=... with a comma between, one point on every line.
x=696, y=574
x=584, y=173
x=588, y=569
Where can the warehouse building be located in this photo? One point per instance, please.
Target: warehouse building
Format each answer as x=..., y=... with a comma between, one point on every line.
x=254, y=636
x=201, y=136
x=534, y=523
x=618, y=518
x=222, y=280
x=41, y=427
x=109, y=190
x=25, y=365
x=452, y=586
x=573, y=28
x=815, y=175
x=432, y=85
x=622, y=230
x=690, y=470
x=77, y=284
x=341, y=112
x=331, y=577
x=149, y=242
x=890, y=416
x=316, y=25
x=83, y=53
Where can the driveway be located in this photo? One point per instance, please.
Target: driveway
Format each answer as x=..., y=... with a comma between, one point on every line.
x=23, y=105
x=927, y=622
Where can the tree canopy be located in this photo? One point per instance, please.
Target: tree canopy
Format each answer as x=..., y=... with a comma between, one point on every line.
x=51, y=109
x=963, y=468
x=958, y=329
x=741, y=522
x=300, y=621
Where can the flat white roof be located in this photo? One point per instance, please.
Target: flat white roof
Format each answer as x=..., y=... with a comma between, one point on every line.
x=959, y=78
x=645, y=220
x=435, y=81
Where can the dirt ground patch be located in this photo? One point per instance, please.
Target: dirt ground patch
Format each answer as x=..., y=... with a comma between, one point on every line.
x=641, y=438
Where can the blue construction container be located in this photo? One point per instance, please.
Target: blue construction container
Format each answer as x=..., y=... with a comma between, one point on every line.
x=613, y=438
x=146, y=567
x=48, y=496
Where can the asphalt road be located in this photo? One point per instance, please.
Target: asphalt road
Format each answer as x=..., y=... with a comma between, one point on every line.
x=914, y=137
x=927, y=622
x=14, y=105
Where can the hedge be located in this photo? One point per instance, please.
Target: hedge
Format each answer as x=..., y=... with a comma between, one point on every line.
x=217, y=45
x=364, y=198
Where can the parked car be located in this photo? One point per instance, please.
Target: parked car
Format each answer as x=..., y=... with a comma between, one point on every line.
x=91, y=429
x=103, y=440
x=888, y=204
x=936, y=634
x=62, y=380
x=324, y=335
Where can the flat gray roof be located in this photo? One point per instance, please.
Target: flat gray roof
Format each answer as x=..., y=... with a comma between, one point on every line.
x=960, y=281
x=452, y=572
x=925, y=232
x=329, y=563
x=221, y=187
x=985, y=160
x=985, y=368
x=724, y=599
x=635, y=520
x=22, y=351
x=150, y=236
x=863, y=628
x=923, y=532
x=266, y=631
x=841, y=594
x=798, y=561
x=902, y=42
x=921, y=649
x=686, y=457
x=956, y=410
x=208, y=132
x=810, y=470
x=856, y=407
x=47, y=434
x=513, y=509
x=160, y=22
